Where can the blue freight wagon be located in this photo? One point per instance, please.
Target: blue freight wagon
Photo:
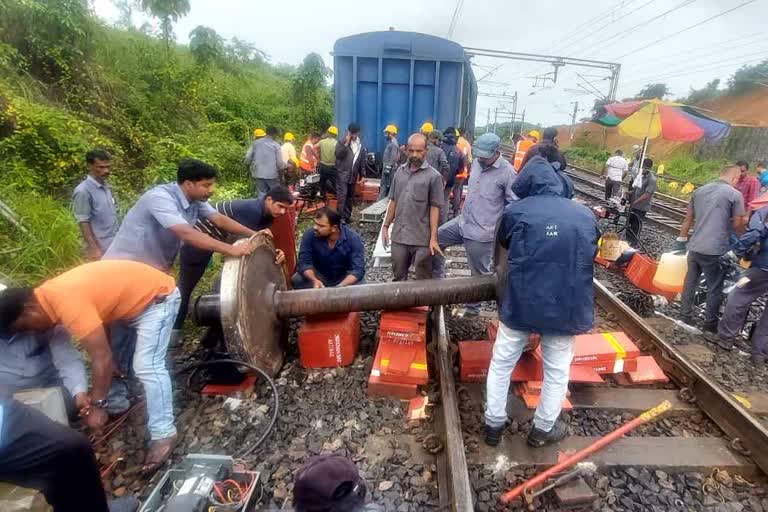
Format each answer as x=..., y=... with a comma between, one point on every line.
x=401, y=78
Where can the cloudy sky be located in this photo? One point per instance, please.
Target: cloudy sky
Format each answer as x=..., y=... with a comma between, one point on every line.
x=651, y=43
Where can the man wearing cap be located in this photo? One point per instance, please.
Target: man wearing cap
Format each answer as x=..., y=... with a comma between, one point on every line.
x=288, y=153
x=549, y=137
x=457, y=166
x=327, y=149
x=390, y=160
x=416, y=199
x=265, y=159
x=309, y=153
x=523, y=146
x=328, y=483
x=350, y=155
x=490, y=189
x=435, y=154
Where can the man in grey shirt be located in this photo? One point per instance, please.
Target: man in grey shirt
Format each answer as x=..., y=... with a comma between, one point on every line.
x=715, y=210
x=640, y=201
x=94, y=205
x=416, y=198
x=265, y=160
x=490, y=190
x=165, y=216
x=389, y=160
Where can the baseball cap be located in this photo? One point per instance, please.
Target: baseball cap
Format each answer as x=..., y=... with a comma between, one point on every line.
x=486, y=145
x=326, y=480
x=436, y=134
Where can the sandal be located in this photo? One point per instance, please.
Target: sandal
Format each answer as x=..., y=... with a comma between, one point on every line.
x=159, y=452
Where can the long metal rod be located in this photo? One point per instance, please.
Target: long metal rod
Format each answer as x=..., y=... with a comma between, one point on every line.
x=460, y=487
x=397, y=295
x=555, y=59
x=716, y=403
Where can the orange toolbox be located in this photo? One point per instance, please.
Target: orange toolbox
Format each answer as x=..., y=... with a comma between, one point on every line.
x=377, y=387
x=401, y=361
x=328, y=341
x=475, y=358
x=406, y=324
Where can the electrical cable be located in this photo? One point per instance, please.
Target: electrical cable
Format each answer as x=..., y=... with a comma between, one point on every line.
x=595, y=31
x=276, y=409
x=698, y=24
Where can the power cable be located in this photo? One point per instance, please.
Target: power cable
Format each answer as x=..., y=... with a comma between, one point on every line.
x=596, y=31
x=454, y=18
x=657, y=41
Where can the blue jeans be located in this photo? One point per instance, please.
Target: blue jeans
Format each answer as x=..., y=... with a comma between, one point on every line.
x=153, y=332
x=479, y=254
x=557, y=352
x=299, y=282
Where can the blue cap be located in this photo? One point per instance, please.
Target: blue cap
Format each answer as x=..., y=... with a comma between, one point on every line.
x=486, y=145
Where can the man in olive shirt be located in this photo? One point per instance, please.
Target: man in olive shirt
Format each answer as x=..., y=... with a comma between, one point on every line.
x=643, y=189
x=328, y=162
x=416, y=198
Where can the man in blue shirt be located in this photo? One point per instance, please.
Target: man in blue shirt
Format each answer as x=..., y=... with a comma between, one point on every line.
x=255, y=214
x=331, y=254
x=94, y=205
x=551, y=242
x=265, y=160
x=165, y=216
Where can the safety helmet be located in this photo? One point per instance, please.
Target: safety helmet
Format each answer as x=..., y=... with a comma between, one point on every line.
x=333, y=130
x=427, y=128
x=457, y=133
x=288, y=136
x=259, y=132
x=391, y=129
x=534, y=133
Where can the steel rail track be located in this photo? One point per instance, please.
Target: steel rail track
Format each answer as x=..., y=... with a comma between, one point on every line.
x=748, y=435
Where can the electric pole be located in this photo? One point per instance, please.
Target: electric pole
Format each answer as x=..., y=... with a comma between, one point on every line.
x=573, y=118
x=495, y=119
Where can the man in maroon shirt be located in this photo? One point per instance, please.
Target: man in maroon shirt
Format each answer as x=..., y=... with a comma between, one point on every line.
x=748, y=185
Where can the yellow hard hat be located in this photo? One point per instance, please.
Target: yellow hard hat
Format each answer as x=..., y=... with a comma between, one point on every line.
x=259, y=132
x=391, y=129
x=457, y=132
x=288, y=136
x=534, y=133
x=427, y=127
x=333, y=130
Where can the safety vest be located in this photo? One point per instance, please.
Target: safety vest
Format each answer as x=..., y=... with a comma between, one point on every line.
x=522, y=148
x=308, y=158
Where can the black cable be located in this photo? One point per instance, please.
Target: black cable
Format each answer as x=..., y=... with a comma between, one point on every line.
x=203, y=364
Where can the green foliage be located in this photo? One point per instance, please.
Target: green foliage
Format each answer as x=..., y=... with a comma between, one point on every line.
x=52, y=38
x=310, y=95
x=708, y=92
x=686, y=167
x=651, y=91
x=748, y=77
x=589, y=155
x=206, y=45
x=147, y=103
x=168, y=12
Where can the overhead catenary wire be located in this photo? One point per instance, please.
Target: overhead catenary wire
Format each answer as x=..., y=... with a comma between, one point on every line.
x=728, y=64
x=454, y=18
x=686, y=29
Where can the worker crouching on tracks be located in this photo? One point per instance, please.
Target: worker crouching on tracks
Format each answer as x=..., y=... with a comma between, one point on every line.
x=551, y=242
x=86, y=299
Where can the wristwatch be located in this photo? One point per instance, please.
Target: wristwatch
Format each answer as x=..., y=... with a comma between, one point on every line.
x=101, y=404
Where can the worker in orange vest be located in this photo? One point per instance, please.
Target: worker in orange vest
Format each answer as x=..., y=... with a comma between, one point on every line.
x=309, y=151
x=523, y=146
x=466, y=148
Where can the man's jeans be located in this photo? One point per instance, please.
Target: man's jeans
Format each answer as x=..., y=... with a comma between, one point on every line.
x=264, y=185
x=299, y=282
x=153, y=332
x=386, y=182
x=479, y=254
x=557, y=352
x=737, y=307
x=714, y=274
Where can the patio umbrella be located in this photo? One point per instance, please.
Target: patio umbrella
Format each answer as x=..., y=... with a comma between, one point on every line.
x=655, y=118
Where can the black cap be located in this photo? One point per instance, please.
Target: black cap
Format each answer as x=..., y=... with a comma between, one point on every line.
x=549, y=134
x=325, y=480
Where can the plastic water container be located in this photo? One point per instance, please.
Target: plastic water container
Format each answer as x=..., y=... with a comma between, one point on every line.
x=670, y=274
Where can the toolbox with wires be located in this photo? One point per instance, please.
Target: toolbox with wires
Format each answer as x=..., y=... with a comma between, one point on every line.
x=203, y=483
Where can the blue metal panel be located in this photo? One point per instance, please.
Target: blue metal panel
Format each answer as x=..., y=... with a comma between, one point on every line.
x=401, y=78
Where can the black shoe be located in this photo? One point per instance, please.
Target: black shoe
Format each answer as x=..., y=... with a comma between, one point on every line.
x=757, y=359
x=723, y=343
x=710, y=328
x=493, y=435
x=538, y=438
x=687, y=320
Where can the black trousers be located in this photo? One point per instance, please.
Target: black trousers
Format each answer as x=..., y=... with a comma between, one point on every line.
x=192, y=265
x=41, y=454
x=636, y=219
x=327, y=180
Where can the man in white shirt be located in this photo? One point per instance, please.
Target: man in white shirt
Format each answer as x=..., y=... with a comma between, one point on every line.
x=614, y=171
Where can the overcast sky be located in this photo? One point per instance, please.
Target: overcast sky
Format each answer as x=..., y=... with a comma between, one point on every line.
x=599, y=29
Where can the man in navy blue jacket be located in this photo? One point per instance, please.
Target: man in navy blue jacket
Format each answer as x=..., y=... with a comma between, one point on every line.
x=331, y=254
x=550, y=242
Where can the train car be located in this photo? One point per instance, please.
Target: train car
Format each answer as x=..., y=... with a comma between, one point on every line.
x=401, y=78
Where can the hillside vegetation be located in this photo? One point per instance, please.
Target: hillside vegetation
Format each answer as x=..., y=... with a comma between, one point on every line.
x=69, y=83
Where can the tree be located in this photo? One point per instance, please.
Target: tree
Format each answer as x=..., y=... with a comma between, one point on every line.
x=310, y=94
x=748, y=77
x=651, y=91
x=168, y=12
x=244, y=52
x=206, y=45
x=707, y=92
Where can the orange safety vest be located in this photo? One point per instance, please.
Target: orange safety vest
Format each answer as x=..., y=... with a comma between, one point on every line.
x=308, y=160
x=522, y=148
